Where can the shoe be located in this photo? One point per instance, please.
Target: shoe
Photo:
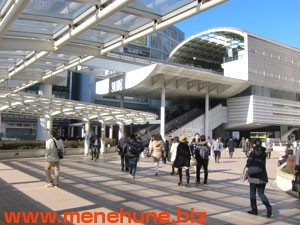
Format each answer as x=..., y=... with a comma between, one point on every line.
x=269, y=211
x=180, y=183
x=252, y=212
x=49, y=185
x=172, y=173
x=156, y=174
x=187, y=185
x=56, y=186
x=205, y=183
x=197, y=182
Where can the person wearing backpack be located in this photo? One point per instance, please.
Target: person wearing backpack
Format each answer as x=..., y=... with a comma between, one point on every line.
x=52, y=158
x=202, y=156
x=132, y=149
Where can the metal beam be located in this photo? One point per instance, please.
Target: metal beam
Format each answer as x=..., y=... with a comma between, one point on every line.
x=12, y=14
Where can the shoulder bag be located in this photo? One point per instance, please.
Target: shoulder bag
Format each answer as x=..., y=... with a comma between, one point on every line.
x=60, y=152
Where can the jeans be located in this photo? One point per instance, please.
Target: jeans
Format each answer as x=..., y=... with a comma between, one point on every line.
x=217, y=155
x=200, y=163
x=132, y=165
x=261, y=193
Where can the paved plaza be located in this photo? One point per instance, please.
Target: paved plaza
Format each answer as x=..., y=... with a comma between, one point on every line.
x=88, y=186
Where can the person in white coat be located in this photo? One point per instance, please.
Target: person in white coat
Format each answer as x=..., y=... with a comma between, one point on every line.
x=173, y=152
x=52, y=159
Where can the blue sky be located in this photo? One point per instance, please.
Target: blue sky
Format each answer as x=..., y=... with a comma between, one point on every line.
x=278, y=20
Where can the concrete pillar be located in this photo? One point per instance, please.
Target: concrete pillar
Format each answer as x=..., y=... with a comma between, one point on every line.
x=103, y=126
x=122, y=101
x=162, y=112
x=42, y=123
x=121, y=130
x=207, y=130
x=72, y=132
x=1, y=132
x=87, y=137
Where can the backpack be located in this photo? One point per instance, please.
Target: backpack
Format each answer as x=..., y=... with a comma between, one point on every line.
x=134, y=149
x=202, y=151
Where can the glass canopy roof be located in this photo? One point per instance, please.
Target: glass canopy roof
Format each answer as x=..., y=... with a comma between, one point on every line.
x=41, y=38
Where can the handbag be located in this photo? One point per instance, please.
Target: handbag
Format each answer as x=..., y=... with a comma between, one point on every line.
x=244, y=176
x=296, y=183
x=60, y=152
x=254, y=170
x=193, y=161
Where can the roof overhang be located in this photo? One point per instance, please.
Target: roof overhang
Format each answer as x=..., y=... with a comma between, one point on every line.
x=178, y=81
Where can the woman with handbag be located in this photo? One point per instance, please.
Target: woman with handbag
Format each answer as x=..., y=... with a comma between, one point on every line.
x=182, y=160
x=157, y=151
x=258, y=177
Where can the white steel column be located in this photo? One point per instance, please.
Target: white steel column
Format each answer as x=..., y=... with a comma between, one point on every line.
x=1, y=133
x=87, y=137
x=110, y=132
x=162, y=112
x=206, y=122
x=121, y=130
x=42, y=122
x=103, y=132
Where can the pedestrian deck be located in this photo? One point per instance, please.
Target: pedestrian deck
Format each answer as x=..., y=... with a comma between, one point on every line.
x=88, y=186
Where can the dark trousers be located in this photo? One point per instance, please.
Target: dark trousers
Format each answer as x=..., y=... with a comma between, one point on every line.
x=187, y=173
x=260, y=188
x=217, y=155
x=132, y=165
x=124, y=163
x=202, y=163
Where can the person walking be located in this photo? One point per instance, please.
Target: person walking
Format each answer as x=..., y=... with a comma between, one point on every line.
x=269, y=147
x=246, y=147
x=173, y=152
x=297, y=169
x=216, y=147
x=182, y=160
x=230, y=145
x=132, y=150
x=258, y=177
x=52, y=159
x=124, y=160
x=157, y=151
x=97, y=146
x=202, y=157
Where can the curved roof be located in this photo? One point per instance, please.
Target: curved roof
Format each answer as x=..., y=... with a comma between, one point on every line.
x=179, y=81
x=61, y=108
x=39, y=40
x=208, y=49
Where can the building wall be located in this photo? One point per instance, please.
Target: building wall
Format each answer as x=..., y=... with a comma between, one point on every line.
x=262, y=110
x=273, y=65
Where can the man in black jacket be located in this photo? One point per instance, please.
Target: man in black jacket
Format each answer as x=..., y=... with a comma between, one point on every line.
x=132, y=150
x=201, y=153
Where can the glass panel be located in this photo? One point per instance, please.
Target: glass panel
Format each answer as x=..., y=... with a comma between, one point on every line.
x=97, y=36
x=2, y=3
x=59, y=57
x=35, y=27
x=125, y=21
x=56, y=8
x=160, y=7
